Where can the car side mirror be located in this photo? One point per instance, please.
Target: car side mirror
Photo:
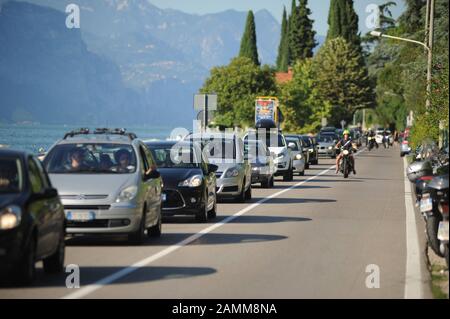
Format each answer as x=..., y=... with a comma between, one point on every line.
x=152, y=174
x=212, y=168
x=291, y=145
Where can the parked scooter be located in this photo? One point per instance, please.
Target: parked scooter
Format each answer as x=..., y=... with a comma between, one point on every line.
x=439, y=207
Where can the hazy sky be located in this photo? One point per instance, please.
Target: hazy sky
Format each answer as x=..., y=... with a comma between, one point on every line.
x=318, y=7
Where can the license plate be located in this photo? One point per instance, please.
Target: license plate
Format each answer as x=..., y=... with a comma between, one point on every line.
x=80, y=216
x=426, y=205
x=163, y=197
x=443, y=231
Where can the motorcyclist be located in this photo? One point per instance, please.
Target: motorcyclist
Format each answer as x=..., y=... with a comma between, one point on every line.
x=372, y=136
x=346, y=143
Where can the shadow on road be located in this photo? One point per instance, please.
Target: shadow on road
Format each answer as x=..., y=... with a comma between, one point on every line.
x=168, y=239
x=90, y=274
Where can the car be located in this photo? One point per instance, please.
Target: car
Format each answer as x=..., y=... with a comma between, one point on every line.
x=108, y=182
x=298, y=160
x=31, y=219
x=226, y=150
x=379, y=136
x=189, y=181
x=262, y=163
x=405, y=148
x=305, y=149
x=276, y=142
x=327, y=142
x=313, y=150
x=328, y=130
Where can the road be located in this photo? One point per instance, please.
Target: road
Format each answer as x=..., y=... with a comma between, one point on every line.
x=310, y=238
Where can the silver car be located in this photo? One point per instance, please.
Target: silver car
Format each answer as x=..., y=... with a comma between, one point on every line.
x=226, y=150
x=327, y=143
x=108, y=184
x=298, y=161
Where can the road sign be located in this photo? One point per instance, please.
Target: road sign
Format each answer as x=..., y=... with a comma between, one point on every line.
x=202, y=101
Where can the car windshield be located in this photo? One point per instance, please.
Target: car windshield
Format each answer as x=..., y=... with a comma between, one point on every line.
x=306, y=140
x=270, y=139
x=91, y=158
x=293, y=141
x=171, y=156
x=254, y=148
x=326, y=138
x=11, y=177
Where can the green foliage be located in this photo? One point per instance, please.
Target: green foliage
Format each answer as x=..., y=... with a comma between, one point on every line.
x=283, y=49
x=342, y=80
x=343, y=22
x=248, y=42
x=301, y=33
x=237, y=85
x=301, y=104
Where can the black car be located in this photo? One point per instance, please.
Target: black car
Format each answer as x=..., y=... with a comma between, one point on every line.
x=31, y=219
x=313, y=149
x=189, y=182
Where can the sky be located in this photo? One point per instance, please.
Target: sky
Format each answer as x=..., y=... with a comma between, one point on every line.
x=319, y=8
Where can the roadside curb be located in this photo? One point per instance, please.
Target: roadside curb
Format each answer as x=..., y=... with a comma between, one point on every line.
x=417, y=276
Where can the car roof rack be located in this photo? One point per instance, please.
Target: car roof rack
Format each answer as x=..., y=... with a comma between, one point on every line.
x=105, y=131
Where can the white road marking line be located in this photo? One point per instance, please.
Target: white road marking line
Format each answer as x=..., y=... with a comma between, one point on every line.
x=413, y=275
x=89, y=289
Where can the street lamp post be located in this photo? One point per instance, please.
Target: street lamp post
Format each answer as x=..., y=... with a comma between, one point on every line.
x=428, y=46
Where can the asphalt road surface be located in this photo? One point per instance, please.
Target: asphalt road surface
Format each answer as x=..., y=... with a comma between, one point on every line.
x=315, y=237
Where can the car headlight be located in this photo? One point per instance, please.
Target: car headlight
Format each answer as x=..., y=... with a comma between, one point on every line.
x=330, y=147
x=193, y=181
x=10, y=217
x=311, y=150
x=280, y=155
x=346, y=152
x=298, y=157
x=127, y=194
x=232, y=172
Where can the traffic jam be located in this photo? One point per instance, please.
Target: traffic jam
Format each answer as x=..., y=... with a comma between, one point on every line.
x=110, y=182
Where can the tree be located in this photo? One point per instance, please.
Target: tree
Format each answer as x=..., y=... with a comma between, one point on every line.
x=412, y=20
x=283, y=49
x=248, y=42
x=343, y=22
x=341, y=80
x=301, y=33
x=301, y=104
x=237, y=86
x=386, y=22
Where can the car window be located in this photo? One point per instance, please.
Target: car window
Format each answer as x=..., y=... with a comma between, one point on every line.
x=143, y=159
x=168, y=156
x=91, y=158
x=293, y=141
x=11, y=175
x=36, y=182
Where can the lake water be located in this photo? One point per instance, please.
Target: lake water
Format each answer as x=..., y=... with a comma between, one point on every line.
x=33, y=137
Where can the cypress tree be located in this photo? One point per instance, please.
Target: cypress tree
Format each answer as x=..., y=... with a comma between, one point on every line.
x=301, y=33
x=343, y=22
x=283, y=49
x=248, y=43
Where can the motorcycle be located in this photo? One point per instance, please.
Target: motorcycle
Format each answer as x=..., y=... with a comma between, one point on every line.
x=346, y=166
x=434, y=207
x=371, y=143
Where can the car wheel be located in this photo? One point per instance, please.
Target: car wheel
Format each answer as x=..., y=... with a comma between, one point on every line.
x=202, y=215
x=302, y=173
x=248, y=193
x=26, y=269
x=137, y=237
x=55, y=263
x=213, y=212
x=241, y=197
x=272, y=182
x=156, y=230
x=266, y=183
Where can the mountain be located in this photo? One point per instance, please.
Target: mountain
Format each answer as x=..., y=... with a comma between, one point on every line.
x=130, y=62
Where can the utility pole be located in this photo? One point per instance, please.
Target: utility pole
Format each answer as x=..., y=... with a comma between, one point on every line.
x=430, y=9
